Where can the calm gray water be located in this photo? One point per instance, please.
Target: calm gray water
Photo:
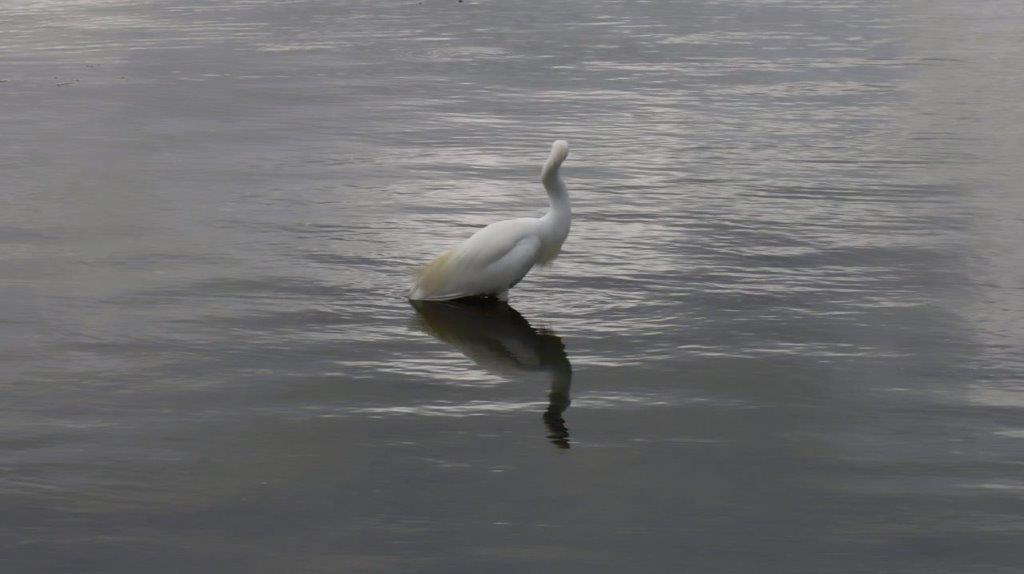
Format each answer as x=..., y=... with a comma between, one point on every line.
x=784, y=335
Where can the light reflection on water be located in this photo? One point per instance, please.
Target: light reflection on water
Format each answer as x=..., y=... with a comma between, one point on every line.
x=790, y=305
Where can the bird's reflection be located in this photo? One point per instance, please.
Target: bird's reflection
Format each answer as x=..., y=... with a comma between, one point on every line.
x=496, y=337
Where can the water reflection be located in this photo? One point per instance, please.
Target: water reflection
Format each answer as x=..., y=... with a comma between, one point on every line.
x=496, y=337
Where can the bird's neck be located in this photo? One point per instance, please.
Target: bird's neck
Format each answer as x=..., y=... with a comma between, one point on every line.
x=556, y=221
x=557, y=193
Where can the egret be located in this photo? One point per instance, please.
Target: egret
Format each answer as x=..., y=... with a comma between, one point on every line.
x=497, y=257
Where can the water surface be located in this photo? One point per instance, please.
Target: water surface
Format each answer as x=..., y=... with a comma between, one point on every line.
x=783, y=335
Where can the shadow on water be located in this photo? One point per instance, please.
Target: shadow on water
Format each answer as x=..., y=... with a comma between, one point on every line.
x=496, y=337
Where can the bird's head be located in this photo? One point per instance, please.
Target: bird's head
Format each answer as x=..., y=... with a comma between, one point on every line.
x=559, y=151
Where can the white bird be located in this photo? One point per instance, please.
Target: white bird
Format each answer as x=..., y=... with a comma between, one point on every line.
x=498, y=256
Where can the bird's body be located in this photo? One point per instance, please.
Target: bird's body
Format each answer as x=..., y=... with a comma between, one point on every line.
x=498, y=256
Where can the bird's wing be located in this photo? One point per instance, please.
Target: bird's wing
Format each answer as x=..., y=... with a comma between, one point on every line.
x=501, y=252
x=492, y=243
x=515, y=264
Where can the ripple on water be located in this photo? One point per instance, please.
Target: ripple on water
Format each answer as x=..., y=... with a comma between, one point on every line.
x=795, y=254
